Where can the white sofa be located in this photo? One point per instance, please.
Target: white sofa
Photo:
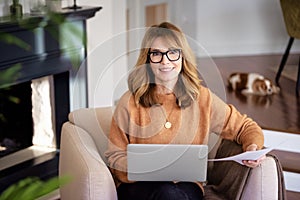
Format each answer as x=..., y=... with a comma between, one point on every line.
x=84, y=140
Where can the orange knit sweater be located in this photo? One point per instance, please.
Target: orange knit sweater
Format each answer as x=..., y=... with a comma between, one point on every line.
x=192, y=125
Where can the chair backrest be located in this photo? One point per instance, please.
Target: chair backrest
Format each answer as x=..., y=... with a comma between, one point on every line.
x=96, y=121
x=291, y=14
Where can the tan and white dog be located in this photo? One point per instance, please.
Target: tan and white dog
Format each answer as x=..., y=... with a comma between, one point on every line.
x=252, y=83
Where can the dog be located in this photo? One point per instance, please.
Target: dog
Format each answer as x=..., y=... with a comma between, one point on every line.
x=252, y=83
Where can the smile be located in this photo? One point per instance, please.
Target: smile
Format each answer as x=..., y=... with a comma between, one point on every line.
x=166, y=69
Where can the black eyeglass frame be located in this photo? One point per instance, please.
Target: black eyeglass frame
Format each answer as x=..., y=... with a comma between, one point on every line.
x=164, y=53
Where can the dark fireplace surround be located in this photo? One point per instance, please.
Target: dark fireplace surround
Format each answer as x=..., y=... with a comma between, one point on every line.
x=35, y=62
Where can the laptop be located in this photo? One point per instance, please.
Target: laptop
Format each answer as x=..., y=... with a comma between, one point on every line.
x=167, y=162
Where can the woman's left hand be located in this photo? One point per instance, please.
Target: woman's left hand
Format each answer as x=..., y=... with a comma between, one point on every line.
x=253, y=163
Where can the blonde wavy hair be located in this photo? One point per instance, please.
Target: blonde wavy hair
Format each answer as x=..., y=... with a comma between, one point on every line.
x=141, y=80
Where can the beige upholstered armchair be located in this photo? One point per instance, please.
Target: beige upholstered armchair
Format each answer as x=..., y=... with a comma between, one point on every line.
x=84, y=140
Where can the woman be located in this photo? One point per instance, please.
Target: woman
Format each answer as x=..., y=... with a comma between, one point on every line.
x=166, y=104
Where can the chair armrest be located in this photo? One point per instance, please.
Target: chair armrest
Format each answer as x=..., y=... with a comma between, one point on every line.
x=231, y=180
x=79, y=159
x=263, y=181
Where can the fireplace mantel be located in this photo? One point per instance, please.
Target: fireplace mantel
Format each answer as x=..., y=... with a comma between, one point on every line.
x=41, y=35
x=43, y=49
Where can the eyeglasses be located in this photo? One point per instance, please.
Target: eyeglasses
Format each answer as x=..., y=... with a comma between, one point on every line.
x=157, y=56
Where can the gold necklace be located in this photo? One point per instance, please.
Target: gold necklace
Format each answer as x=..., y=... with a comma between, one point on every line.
x=168, y=124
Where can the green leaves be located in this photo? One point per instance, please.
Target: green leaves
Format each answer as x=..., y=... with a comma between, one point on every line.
x=32, y=188
x=9, y=75
x=13, y=40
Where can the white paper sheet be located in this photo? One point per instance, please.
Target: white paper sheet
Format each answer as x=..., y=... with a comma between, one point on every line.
x=248, y=155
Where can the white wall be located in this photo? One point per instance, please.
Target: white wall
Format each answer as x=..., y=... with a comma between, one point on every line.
x=231, y=27
x=107, y=62
x=239, y=27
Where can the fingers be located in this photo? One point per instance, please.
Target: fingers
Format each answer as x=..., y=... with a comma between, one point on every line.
x=254, y=163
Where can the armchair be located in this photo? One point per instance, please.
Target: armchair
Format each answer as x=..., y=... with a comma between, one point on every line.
x=84, y=140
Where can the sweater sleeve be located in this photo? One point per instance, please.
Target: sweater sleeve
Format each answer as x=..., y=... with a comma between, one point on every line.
x=235, y=126
x=118, y=139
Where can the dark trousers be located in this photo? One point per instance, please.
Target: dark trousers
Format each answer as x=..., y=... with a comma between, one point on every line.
x=159, y=190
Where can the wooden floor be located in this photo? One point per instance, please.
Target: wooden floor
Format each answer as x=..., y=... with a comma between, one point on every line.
x=277, y=112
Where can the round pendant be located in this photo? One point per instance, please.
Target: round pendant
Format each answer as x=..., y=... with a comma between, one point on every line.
x=168, y=125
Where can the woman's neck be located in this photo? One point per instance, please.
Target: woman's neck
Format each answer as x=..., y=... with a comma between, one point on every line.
x=166, y=87
x=161, y=89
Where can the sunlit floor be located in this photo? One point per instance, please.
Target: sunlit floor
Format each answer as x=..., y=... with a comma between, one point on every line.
x=280, y=112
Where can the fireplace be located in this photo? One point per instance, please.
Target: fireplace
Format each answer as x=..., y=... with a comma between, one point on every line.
x=16, y=130
x=37, y=72
x=27, y=116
